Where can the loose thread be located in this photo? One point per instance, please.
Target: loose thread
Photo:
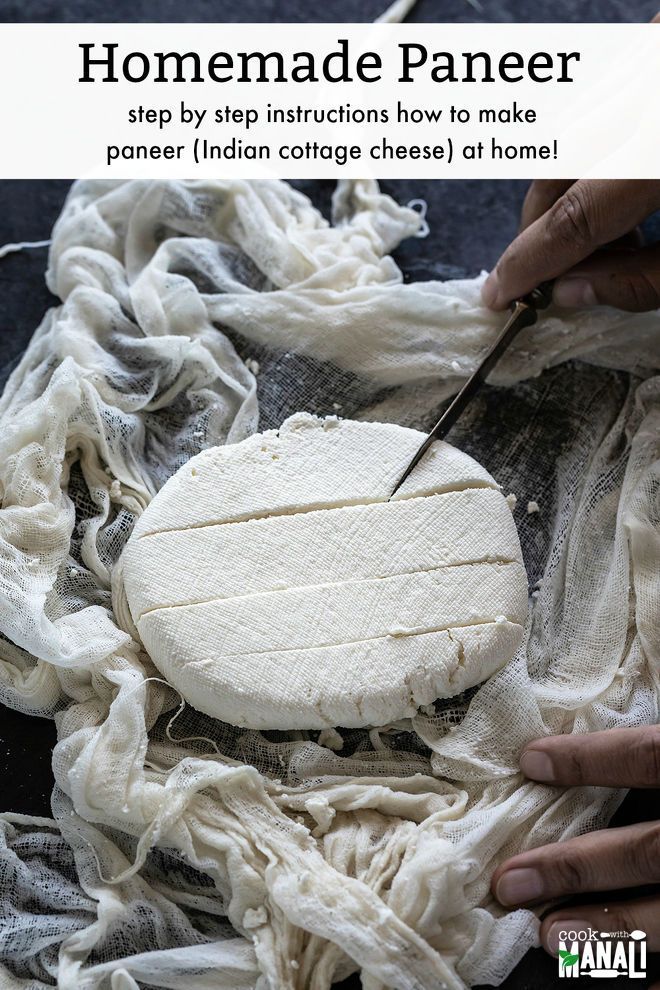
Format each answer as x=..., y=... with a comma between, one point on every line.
x=420, y=206
x=22, y=246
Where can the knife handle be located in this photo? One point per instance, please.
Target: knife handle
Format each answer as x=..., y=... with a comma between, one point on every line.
x=540, y=297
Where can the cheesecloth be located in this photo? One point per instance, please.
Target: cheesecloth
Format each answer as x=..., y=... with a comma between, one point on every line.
x=184, y=852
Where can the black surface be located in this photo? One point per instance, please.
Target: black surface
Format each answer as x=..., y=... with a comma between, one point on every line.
x=470, y=11
x=470, y=224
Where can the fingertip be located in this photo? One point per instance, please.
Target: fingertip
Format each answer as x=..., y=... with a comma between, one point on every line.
x=490, y=291
x=549, y=935
x=554, y=930
x=537, y=766
x=495, y=879
x=520, y=885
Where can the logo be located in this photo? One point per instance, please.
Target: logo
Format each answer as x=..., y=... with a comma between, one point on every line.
x=604, y=954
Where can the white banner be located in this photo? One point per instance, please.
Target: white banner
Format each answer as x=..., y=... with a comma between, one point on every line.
x=330, y=100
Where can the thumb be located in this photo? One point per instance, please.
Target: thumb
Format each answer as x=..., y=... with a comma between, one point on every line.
x=626, y=279
x=610, y=758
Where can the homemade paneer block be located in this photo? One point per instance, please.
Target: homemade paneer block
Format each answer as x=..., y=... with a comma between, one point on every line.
x=273, y=583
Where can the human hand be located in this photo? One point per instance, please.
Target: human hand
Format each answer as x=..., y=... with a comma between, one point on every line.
x=610, y=859
x=583, y=234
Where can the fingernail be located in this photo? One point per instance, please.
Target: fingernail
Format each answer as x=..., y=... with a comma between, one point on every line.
x=519, y=886
x=537, y=765
x=490, y=290
x=553, y=937
x=574, y=292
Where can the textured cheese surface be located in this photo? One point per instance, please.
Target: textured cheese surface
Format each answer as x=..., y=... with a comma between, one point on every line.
x=274, y=584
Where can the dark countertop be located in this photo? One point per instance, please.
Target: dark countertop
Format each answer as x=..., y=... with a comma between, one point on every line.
x=470, y=224
x=194, y=11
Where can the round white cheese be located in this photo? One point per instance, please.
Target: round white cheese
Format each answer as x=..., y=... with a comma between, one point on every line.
x=275, y=586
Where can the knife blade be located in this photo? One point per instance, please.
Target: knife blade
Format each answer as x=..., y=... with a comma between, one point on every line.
x=524, y=313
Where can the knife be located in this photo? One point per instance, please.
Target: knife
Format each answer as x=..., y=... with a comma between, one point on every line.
x=524, y=313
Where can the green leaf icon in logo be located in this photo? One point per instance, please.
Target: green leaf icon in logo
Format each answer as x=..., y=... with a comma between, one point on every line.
x=568, y=959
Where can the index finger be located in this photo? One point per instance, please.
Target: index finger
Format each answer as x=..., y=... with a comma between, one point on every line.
x=613, y=758
x=590, y=213
x=541, y=195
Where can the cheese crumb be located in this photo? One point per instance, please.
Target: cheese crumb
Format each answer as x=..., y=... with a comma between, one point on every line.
x=317, y=806
x=455, y=366
x=331, y=739
x=115, y=489
x=532, y=507
x=305, y=882
x=294, y=964
x=511, y=501
x=252, y=365
x=255, y=917
x=501, y=618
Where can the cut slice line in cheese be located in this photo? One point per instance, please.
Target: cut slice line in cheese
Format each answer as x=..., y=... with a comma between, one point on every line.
x=306, y=464
x=274, y=584
x=309, y=548
x=296, y=618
